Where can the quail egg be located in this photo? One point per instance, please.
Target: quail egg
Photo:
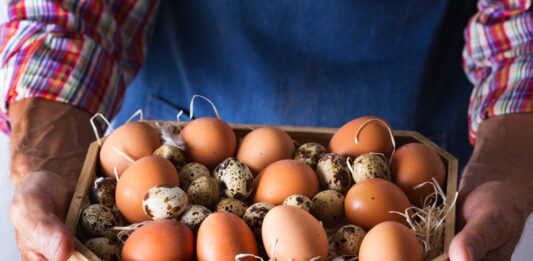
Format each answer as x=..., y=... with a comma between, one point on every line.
x=255, y=214
x=299, y=201
x=103, y=191
x=329, y=207
x=104, y=248
x=347, y=240
x=333, y=173
x=370, y=165
x=232, y=205
x=310, y=153
x=193, y=216
x=204, y=191
x=171, y=153
x=164, y=201
x=98, y=220
x=190, y=172
x=236, y=179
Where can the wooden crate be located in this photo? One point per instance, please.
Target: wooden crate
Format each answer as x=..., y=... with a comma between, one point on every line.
x=300, y=135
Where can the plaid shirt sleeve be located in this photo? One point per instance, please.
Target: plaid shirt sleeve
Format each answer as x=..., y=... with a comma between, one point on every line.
x=79, y=52
x=498, y=60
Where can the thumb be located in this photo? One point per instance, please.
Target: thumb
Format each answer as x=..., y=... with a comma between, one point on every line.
x=481, y=234
x=51, y=238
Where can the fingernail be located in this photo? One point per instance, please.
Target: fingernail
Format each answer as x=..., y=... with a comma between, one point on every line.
x=470, y=252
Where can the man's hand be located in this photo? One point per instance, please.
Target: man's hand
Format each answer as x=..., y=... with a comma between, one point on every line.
x=496, y=191
x=49, y=141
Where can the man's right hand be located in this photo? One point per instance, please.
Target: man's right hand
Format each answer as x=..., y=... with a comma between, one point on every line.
x=49, y=141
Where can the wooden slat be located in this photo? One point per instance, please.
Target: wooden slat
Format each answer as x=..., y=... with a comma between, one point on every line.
x=300, y=135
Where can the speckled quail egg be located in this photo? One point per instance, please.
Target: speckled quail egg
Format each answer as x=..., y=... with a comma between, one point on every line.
x=190, y=172
x=347, y=240
x=370, y=165
x=232, y=205
x=329, y=207
x=98, y=220
x=164, y=201
x=104, y=248
x=171, y=153
x=333, y=173
x=236, y=179
x=204, y=191
x=255, y=214
x=103, y=191
x=310, y=153
x=193, y=216
x=299, y=201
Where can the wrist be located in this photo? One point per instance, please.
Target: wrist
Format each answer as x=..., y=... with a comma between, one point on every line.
x=48, y=137
x=502, y=154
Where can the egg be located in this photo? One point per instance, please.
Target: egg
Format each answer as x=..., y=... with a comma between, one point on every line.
x=310, y=153
x=369, y=203
x=208, y=141
x=299, y=201
x=264, y=146
x=296, y=234
x=132, y=186
x=370, y=165
x=235, y=179
x=160, y=240
x=347, y=240
x=333, y=173
x=374, y=136
x=194, y=215
x=104, y=248
x=204, y=191
x=329, y=207
x=284, y=178
x=164, y=201
x=171, y=153
x=190, y=172
x=233, y=206
x=103, y=191
x=399, y=242
x=135, y=139
x=222, y=236
x=414, y=164
x=255, y=214
x=98, y=220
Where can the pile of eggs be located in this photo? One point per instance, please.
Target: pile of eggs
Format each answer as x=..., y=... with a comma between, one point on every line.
x=203, y=195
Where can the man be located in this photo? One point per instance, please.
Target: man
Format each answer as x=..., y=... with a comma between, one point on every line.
x=275, y=62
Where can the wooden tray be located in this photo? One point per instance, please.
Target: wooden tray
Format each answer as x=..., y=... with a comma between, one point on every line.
x=300, y=135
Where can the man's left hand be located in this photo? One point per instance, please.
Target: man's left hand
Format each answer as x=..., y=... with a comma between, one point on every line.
x=496, y=190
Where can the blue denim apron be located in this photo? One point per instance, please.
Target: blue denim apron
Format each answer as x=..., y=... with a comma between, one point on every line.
x=311, y=63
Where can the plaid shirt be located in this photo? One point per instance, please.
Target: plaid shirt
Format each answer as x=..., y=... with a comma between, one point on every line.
x=86, y=52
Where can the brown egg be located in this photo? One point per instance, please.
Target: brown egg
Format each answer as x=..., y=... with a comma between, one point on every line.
x=132, y=186
x=135, y=139
x=368, y=203
x=160, y=240
x=284, y=178
x=414, y=164
x=222, y=236
x=390, y=241
x=373, y=137
x=296, y=234
x=264, y=146
x=208, y=141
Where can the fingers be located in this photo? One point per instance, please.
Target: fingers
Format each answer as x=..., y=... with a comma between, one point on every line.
x=40, y=231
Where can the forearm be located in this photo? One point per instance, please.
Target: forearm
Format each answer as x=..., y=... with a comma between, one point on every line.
x=48, y=136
